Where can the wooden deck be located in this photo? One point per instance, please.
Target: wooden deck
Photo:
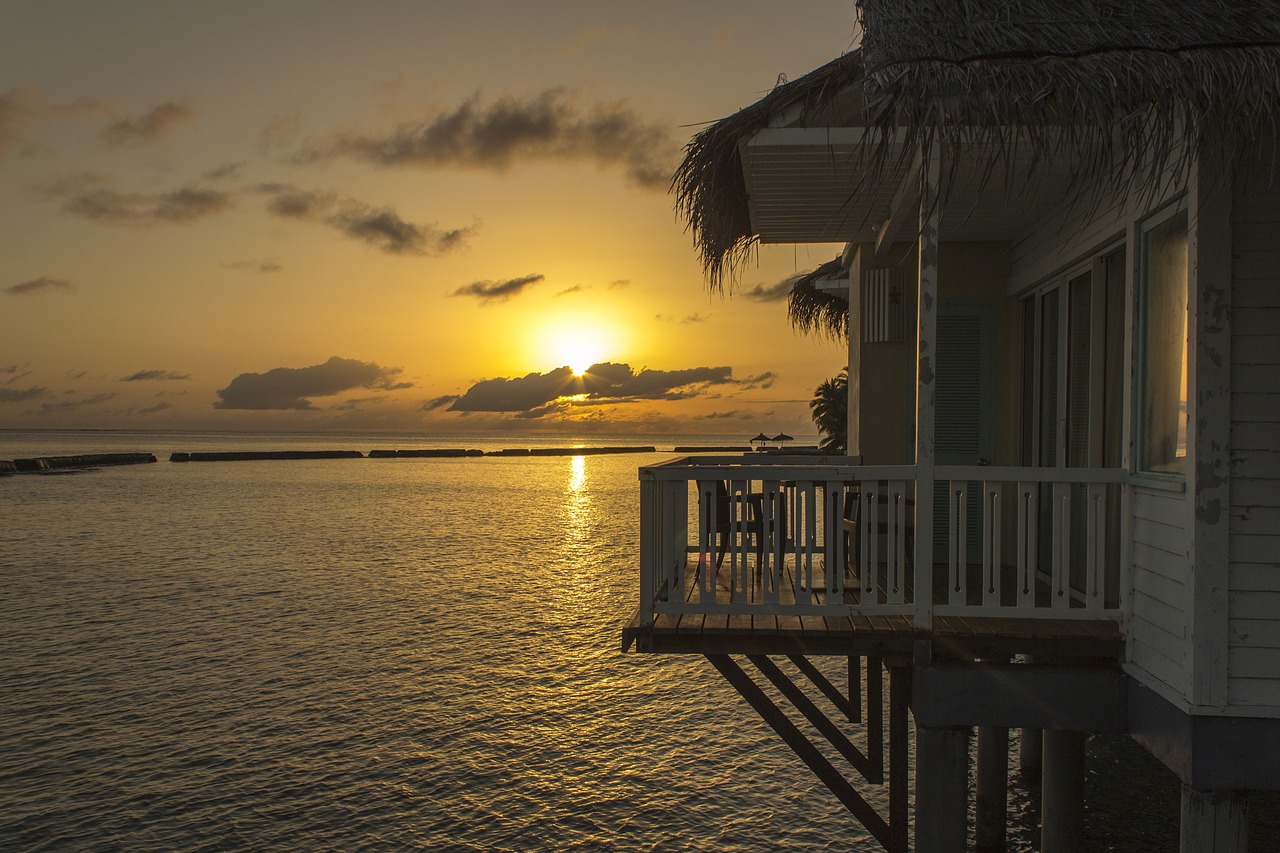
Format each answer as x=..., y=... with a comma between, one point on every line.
x=887, y=636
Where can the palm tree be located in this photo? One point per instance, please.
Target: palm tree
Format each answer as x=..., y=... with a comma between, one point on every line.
x=830, y=410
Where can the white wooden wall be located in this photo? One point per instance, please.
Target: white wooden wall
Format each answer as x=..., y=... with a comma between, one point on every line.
x=1159, y=600
x=1253, y=604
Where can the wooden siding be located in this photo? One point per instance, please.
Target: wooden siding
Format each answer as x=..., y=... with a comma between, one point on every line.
x=1253, y=605
x=1158, y=628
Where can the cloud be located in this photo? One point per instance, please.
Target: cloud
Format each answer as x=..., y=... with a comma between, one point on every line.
x=732, y=415
x=549, y=126
x=438, y=402
x=773, y=292
x=63, y=406
x=14, y=395
x=22, y=107
x=179, y=207
x=606, y=381
x=619, y=284
x=148, y=127
x=292, y=387
x=499, y=291
x=153, y=375
x=18, y=110
x=694, y=318
x=151, y=410
x=760, y=381
x=38, y=285
x=265, y=265
x=382, y=228
x=14, y=372
x=229, y=171
x=577, y=288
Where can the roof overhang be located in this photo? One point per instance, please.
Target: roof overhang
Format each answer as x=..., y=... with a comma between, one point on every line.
x=818, y=185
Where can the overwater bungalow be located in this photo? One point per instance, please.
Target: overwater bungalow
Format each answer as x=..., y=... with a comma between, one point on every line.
x=1059, y=237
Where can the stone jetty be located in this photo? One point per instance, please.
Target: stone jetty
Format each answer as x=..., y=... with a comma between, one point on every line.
x=450, y=453
x=42, y=464
x=250, y=455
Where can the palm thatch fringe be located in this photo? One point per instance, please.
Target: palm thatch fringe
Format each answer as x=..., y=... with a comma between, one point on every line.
x=1130, y=93
x=819, y=312
x=710, y=193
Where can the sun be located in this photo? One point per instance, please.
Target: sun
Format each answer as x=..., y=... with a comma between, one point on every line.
x=578, y=347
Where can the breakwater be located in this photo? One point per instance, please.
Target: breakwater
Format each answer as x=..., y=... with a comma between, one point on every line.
x=46, y=464
x=250, y=455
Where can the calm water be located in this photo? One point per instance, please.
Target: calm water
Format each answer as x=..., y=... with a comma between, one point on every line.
x=367, y=655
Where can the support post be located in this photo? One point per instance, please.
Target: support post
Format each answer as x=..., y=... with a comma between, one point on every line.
x=991, y=809
x=1062, y=792
x=1031, y=753
x=1214, y=821
x=926, y=374
x=942, y=789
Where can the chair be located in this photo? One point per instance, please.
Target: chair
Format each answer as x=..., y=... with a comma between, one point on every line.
x=747, y=510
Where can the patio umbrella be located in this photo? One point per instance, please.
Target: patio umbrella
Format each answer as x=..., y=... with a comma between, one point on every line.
x=782, y=436
x=760, y=437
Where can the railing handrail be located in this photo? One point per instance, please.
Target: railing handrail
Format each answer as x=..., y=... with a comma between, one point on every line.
x=1028, y=474
x=780, y=468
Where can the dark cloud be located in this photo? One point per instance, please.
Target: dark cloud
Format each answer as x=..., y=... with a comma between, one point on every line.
x=694, y=318
x=761, y=381
x=292, y=387
x=13, y=395
x=732, y=415
x=620, y=283
x=382, y=227
x=577, y=288
x=439, y=402
x=148, y=127
x=42, y=284
x=499, y=291
x=153, y=376
x=179, y=207
x=227, y=172
x=771, y=293
x=551, y=125
x=14, y=372
x=265, y=265
x=151, y=410
x=606, y=381
x=64, y=405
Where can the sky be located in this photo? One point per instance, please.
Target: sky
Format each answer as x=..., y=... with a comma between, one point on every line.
x=392, y=215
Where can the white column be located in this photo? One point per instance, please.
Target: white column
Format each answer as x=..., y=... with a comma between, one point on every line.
x=1214, y=821
x=942, y=789
x=926, y=375
x=1062, y=792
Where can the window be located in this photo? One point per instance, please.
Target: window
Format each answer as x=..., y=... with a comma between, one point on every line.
x=1162, y=346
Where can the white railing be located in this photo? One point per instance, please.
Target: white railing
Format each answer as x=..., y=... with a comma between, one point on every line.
x=1040, y=542
x=776, y=535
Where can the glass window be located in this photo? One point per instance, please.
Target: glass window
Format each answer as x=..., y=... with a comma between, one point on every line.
x=1162, y=412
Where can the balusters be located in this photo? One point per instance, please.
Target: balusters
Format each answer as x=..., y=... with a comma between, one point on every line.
x=992, y=516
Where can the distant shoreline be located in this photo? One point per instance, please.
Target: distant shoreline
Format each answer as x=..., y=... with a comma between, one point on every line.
x=52, y=464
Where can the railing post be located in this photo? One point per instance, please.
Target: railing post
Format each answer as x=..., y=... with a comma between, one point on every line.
x=650, y=544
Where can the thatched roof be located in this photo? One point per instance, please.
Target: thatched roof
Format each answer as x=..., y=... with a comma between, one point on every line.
x=815, y=311
x=710, y=192
x=1128, y=90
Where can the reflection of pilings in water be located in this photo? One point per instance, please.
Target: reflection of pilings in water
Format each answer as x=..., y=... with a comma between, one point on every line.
x=41, y=464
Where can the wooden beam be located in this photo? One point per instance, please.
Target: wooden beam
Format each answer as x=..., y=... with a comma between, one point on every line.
x=800, y=745
x=904, y=209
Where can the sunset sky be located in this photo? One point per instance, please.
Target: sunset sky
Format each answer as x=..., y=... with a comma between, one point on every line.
x=387, y=215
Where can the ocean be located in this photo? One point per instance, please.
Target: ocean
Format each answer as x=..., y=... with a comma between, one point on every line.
x=385, y=654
